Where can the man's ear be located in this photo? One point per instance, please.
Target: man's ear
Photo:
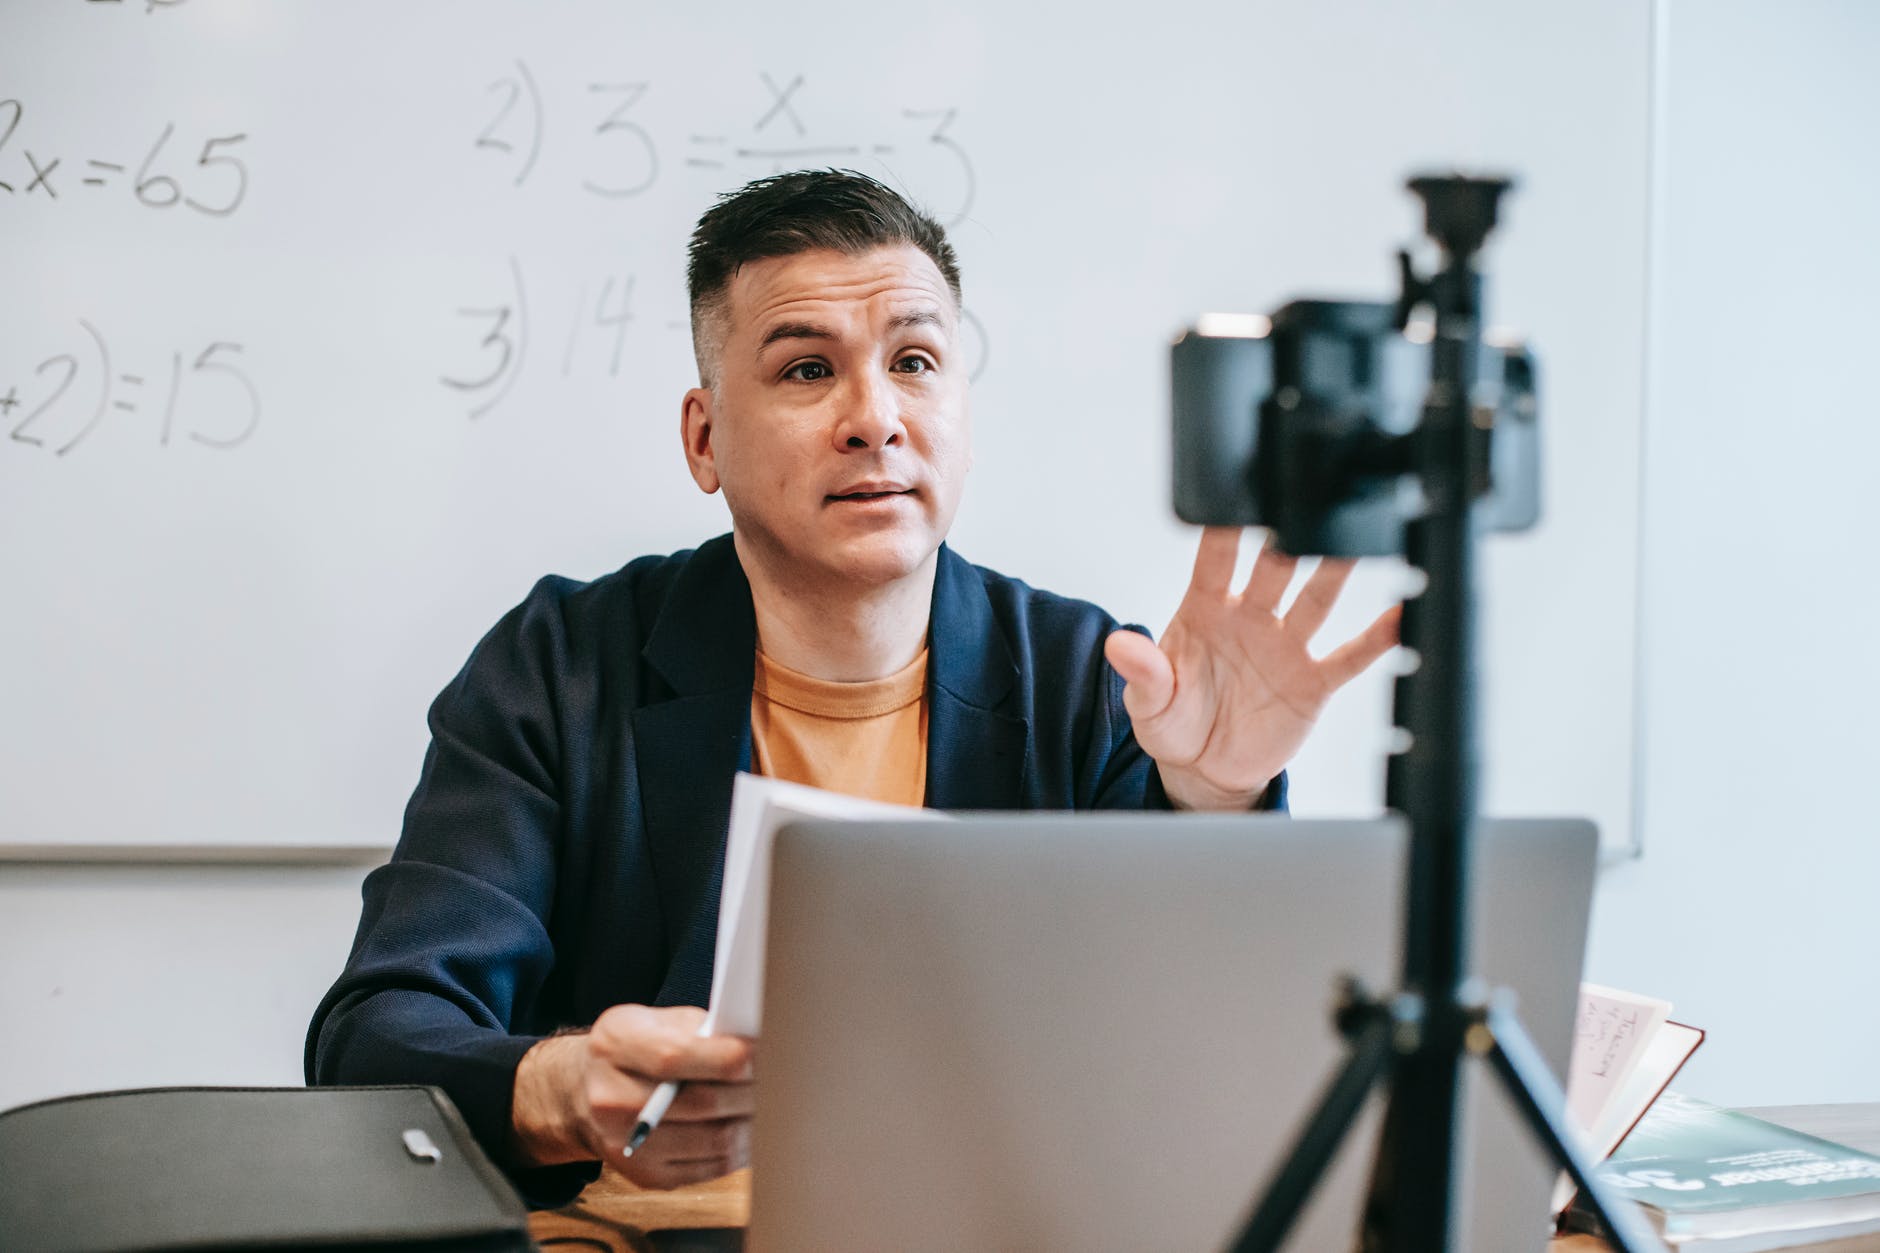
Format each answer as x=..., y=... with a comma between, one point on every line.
x=695, y=429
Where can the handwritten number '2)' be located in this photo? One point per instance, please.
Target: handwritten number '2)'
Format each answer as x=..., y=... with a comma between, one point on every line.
x=516, y=88
x=71, y=372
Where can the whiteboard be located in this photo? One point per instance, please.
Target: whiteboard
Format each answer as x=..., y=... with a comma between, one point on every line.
x=331, y=326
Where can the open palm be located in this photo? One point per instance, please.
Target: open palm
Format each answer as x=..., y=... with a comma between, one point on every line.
x=1232, y=691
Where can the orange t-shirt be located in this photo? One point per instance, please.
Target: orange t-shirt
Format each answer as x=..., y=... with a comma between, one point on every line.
x=862, y=739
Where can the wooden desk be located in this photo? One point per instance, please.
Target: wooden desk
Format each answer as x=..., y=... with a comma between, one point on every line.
x=614, y=1215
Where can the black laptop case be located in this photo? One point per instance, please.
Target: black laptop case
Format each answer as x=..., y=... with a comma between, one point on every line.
x=236, y=1168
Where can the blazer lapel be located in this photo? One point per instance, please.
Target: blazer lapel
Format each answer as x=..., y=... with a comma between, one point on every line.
x=689, y=747
x=977, y=742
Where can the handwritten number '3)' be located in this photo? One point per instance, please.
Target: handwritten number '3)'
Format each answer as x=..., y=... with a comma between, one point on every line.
x=498, y=338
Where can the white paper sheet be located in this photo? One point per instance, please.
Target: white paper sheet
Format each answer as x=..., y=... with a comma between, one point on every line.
x=1611, y=1033
x=761, y=807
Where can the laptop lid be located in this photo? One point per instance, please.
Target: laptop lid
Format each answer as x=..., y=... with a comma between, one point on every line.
x=1102, y=1031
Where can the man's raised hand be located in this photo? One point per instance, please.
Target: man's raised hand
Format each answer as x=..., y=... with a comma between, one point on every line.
x=1231, y=692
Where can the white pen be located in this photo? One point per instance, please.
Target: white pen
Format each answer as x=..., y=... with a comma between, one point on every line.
x=650, y=1114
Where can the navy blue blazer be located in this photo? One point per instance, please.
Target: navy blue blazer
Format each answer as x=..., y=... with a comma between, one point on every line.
x=564, y=848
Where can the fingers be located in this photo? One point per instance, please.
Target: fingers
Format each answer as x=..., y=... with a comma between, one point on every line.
x=663, y=1177
x=1272, y=572
x=712, y=1102
x=1314, y=603
x=679, y=1153
x=1214, y=561
x=1214, y=570
x=1146, y=670
x=616, y=1098
x=1352, y=658
x=664, y=1044
x=684, y=1142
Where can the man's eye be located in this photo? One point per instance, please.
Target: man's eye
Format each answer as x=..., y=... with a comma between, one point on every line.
x=807, y=371
x=914, y=365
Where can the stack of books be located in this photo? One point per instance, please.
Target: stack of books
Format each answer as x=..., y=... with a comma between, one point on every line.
x=1710, y=1180
x=1718, y=1181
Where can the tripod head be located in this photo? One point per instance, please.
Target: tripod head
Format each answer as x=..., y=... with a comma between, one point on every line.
x=1459, y=211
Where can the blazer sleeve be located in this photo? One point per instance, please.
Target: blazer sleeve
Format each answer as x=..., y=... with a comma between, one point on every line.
x=1129, y=778
x=453, y=946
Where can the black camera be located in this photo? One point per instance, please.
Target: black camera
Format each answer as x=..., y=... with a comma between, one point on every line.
x=1301, y=422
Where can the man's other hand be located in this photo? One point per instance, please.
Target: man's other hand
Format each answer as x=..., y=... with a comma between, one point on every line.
x=578, y=1096
x=1232, y=691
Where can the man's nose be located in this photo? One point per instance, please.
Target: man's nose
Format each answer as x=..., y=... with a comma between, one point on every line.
x=871, y=415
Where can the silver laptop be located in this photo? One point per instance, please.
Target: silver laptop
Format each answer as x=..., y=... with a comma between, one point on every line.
x=1091, y=1032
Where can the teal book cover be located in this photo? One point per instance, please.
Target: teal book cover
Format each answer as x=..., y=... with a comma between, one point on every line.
x=1712, y=1172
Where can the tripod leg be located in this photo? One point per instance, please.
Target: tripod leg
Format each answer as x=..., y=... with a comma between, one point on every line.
x=1530, y=1083
x=1413, y=1201
x=1286, y=1195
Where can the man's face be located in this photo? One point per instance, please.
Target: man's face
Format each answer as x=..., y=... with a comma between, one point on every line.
x=838, y=428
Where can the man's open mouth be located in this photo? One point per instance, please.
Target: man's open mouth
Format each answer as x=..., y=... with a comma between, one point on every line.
x=882, y=495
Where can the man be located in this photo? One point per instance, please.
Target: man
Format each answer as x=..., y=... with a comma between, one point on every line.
x=541, y=940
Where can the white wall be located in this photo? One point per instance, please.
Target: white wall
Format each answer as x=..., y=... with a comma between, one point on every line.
x=135, y=975
x=1752, y=907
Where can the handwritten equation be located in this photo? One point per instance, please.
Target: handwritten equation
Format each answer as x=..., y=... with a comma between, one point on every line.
x=589, y=335
x=583, y=325
x=601, y=313
x=622, y=157
x=215, y=185
x=203, y=395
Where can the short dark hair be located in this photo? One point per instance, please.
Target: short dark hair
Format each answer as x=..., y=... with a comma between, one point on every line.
x=797, y=212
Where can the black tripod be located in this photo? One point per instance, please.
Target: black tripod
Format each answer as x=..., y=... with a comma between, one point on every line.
x=1415, y=1042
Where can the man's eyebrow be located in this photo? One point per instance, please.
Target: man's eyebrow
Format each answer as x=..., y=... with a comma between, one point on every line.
x=814, y=330
x=917, y=317
x=794, y=330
